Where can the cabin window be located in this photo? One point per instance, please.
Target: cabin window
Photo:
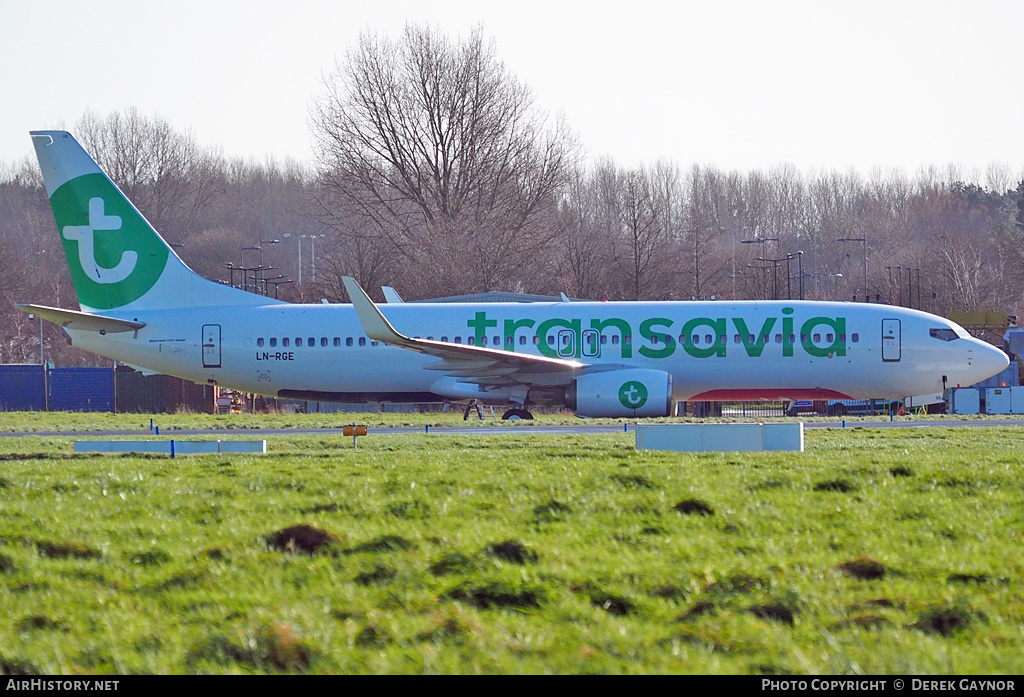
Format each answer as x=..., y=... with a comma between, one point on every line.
x=551, y=340
x=259, y=342
x=374, y=343
x=654, y=339
x=628, y=339
x=536, y=340
x=337, y=341
x=298, y=341
x=471, y=340
x=497, y=341
x=458, y=340
x=615, y=339
x=522, y=341
x=362, y=341
x=791, y=339
x=817, y=338
x=842, y=338
x=751, y=339
x=828, y=338
x=430, y=338
x=709, y=339
x=273, y=341
x=285, y=341
x=604, y=339
x=778, y=338
x=695, y=339
x=682, y=339
x=943, y=334
x=348, y=341
x=444, y=339
x=483, y=341
x=311, y=341
x=803, y=338
x=323, y=341
x=855, y=337
x=736, y=339
x=765, y=339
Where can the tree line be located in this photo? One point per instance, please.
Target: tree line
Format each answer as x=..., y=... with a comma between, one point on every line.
x=437, y=173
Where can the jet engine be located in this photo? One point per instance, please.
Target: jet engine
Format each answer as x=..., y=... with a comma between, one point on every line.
x=621, y=393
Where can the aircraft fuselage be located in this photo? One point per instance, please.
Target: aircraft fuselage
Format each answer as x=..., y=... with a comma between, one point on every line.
x=713, y=350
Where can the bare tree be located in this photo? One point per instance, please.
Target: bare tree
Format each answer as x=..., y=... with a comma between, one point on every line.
x=165, y=173
x=443, y=148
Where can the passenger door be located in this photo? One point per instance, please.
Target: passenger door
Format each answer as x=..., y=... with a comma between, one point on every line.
x=211, y=345
x=891, y=344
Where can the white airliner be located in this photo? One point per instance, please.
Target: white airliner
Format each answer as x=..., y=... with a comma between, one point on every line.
x=140, y=304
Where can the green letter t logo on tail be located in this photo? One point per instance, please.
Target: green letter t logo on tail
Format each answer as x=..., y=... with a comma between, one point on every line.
x=114, y=255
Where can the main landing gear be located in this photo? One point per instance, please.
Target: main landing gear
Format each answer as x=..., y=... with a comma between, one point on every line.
x=517, y=414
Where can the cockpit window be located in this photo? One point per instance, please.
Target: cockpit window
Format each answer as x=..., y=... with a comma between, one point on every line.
x=943, y=334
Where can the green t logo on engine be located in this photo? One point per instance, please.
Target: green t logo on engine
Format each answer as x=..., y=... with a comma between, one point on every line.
x=633, y=395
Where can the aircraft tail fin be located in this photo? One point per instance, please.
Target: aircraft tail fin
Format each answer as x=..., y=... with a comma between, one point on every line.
x=117, y=260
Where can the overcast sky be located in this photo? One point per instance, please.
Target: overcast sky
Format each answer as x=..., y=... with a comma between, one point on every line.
x=742, y=84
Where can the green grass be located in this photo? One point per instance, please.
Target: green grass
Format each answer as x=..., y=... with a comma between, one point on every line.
x=876, y=552
x=19, y=422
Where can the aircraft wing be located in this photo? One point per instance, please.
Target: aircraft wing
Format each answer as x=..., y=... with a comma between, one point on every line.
x=469, y=363
x=74, y=319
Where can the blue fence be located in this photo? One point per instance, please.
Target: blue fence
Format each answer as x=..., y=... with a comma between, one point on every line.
x=24, y=388
x=81, y=389
x=21, y=388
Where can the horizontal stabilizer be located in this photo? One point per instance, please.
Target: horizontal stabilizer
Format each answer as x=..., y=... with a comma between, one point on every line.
x=72, y=319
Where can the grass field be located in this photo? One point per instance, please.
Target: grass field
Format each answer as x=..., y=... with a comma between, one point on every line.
x=13, y=422
x=877, y=551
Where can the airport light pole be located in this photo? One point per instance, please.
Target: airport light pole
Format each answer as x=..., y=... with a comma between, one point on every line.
x=800, y=270
x=821, y=281
x=775, y=275
x=246, y=270
x=761, y=241
x=312, y=253
x=865, y=243
x=46, y=393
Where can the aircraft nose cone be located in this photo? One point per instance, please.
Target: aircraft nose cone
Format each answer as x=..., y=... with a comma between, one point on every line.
x=989, y=360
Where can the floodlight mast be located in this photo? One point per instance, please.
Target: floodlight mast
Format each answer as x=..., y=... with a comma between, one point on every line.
x=865, y=250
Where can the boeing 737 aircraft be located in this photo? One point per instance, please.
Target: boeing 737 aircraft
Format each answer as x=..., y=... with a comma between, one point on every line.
x=141, y=305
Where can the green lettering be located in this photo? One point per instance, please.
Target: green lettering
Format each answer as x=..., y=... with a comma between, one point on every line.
x=624, y=331
x=511, y=326
x=480, y=324
x=720, y=330
x=838, y=327
x=647, y=333
x=547, y=325
x=787, y=332
x=754, y=349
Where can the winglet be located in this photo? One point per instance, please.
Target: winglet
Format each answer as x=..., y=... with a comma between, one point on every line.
x=374, y=323
x=391, y=295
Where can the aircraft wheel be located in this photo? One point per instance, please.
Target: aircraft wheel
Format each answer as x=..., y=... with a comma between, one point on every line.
x=516, y=415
